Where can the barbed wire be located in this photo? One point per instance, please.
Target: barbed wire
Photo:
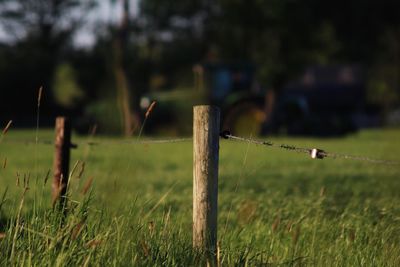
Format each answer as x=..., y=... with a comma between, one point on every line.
x=315, y=153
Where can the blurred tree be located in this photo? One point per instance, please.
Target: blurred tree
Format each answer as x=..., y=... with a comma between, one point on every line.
x=167, y=37
x=130, y=117
x=39, y=32
x=95, y=74
x=384, y=76
x=66, y=89
x=174, y=34
x=280, y=36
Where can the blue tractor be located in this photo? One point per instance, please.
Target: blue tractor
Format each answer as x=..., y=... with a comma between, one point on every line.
x=323, y=101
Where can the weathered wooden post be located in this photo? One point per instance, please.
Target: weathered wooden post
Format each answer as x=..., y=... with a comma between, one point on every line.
x=61, y=160
x=206, y=121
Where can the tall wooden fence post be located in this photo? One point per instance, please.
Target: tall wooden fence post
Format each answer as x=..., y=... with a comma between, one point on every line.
x=206, y=121
x=61, y=160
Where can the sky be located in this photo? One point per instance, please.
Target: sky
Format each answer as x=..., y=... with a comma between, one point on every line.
x=104, y=12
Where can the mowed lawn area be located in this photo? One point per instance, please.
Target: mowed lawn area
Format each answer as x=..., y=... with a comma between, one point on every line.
x=131, y=203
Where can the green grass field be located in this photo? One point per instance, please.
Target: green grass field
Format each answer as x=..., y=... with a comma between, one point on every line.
x=276, y=208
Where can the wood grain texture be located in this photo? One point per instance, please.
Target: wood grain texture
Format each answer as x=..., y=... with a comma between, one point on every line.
x=61, y=160
x=206, y=123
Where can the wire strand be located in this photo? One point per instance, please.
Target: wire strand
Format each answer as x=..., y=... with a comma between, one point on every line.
x=313, y=152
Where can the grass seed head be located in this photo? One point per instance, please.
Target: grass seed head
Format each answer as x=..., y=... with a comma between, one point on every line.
x=5, y=130
x=150, y=109
x=87, y=186
x=77, y=230
x=81, y=170
x=151, y=226
x=289, y=226
x=93, y=243
x=276, y=223
x=39, y=99
x=296, y=235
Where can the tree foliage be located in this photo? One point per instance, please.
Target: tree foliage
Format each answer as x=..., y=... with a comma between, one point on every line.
x=166, y=38
x=281, y=36
x=39, y=34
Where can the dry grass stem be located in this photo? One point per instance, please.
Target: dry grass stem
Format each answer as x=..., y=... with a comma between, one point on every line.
x=47, y=177
x=26, y=180
x=17, y=180
x=289, y=226
x=77, y=230
x=81, y=170
x=150, y=109
x=93, y=243
x=87, y=186
x=93, y=130
x=17, y=226
x=159, y=201
x=145, y=248
x=39, y=99
x=5, y=130
x=87, y=260
x=296, y=235
x=71, y=174
x=151, y=227
x=218, y=254
x=275, y=224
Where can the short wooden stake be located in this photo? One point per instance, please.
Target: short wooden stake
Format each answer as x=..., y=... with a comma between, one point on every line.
x=61, y=161
x=206, y=122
